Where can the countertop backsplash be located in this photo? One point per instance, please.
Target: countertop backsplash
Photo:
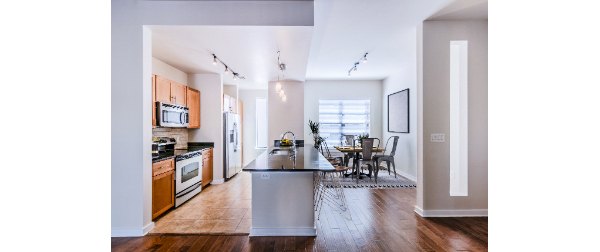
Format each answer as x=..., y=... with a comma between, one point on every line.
x=180, y=135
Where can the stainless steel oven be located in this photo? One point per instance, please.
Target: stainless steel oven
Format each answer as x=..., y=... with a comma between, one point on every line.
x=170, y=115
x=188, y=177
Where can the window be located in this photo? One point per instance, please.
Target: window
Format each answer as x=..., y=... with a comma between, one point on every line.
x=343, y=117
x=261, y=123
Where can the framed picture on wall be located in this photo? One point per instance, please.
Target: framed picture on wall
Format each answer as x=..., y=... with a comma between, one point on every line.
x=398, y=112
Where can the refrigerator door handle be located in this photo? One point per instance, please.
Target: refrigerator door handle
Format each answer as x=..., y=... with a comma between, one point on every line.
x=235, y=132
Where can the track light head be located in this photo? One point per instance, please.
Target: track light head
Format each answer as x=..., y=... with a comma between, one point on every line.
x=363, y=59
x=236, y=76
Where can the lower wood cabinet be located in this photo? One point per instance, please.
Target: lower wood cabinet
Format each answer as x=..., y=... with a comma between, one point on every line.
x=207, y=166
x=163, y=186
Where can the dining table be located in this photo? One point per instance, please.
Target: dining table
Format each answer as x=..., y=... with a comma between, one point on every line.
x=356, y=150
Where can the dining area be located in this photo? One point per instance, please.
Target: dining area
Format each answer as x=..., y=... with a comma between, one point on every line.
x=358, y=152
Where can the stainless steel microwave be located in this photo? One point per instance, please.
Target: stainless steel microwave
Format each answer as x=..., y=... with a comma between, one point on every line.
x=170, y=115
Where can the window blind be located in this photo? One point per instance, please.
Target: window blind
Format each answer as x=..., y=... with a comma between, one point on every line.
x=343, y=117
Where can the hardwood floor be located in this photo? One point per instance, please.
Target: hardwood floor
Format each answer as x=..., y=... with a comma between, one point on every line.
x=378, y=220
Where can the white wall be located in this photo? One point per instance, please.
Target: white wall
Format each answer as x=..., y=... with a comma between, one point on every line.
x=288, y=115
x=131, y=71
x=248, y=97
x=406, y=151
x=211, y=117
x=165, y=70
x=315, y=90
x=436, y=36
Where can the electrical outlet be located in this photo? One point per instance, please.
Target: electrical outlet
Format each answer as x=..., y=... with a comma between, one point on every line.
x=438, y=138
x=265, y=175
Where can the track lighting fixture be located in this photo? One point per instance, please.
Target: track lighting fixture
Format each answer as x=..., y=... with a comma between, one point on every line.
x=228, y=69
x=363, y=59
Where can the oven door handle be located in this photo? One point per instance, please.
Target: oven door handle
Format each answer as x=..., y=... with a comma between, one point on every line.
x=190, y=189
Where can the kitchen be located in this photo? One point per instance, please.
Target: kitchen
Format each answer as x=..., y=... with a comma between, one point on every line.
x=183, y=168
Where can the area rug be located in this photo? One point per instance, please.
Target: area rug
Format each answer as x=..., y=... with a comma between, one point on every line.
x=383, y=181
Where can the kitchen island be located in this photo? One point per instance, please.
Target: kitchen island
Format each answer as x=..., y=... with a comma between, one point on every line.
x=282, y=191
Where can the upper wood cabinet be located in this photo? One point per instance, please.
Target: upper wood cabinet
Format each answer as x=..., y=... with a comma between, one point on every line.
x=178, y=95
x=169, y=91
x=153, y=100
x=163, y=89
x=193, y=103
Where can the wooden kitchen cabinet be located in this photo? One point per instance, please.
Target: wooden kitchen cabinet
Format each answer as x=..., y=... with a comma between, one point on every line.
x=163, y=186
x=168, y=91
x=163, y=89
x=178, y=93
x=153, y=100
x=193, y=103
x=207, y=166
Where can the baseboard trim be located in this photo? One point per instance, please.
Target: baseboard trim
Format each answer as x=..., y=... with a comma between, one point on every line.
x=419, y=211
x=406, y=175
x=217, y=181
x=283, y=232
x=131, y=232
x=452, y=212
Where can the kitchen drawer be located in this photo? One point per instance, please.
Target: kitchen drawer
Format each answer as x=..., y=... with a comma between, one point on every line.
x=163, y=166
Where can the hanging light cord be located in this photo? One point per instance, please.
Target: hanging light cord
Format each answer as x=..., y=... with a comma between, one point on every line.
x=280, y=65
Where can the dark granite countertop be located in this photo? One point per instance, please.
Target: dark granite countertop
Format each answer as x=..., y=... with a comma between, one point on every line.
x=171, y=154
x=307, y=159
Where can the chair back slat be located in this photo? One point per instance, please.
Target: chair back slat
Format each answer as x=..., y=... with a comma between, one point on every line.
x=393, y=152
x=348, y=140
x=367, y=148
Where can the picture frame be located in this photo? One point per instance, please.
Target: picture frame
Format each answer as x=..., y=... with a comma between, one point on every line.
x=398, y=112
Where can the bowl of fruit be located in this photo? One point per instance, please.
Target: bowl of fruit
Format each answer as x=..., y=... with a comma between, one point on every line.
x=286, y=142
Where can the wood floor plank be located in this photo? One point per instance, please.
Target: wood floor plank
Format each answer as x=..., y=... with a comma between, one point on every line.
x=376, y=220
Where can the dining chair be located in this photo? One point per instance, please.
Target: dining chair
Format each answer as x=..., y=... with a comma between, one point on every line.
x=349, y=140
x=388, y=158
x=334, y=160
x=329, y=189
x=367, y=145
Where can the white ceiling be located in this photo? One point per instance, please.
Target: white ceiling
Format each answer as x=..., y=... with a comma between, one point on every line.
x=344, y=30
x=249, y=50
x=463, y=10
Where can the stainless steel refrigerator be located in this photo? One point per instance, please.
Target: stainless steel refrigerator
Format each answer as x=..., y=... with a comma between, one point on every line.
x=232, y=149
